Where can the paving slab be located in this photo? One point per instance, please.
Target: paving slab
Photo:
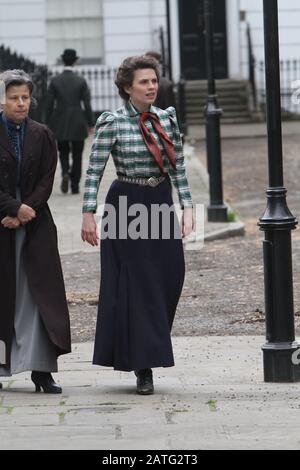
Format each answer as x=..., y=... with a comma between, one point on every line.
x=214, y=398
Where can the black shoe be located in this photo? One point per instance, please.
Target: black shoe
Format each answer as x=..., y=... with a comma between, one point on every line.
x=144, y=382
x=45, y=381
x=65, y=184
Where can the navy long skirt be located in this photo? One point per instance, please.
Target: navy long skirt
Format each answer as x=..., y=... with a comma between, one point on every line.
x=141, y=283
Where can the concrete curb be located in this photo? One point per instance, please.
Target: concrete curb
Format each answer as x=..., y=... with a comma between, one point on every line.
x=235, y=229
x=226, y=230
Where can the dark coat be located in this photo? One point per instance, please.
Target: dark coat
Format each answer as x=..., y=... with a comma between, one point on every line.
x=41, y=258
x=165, y=94
x=64, y=113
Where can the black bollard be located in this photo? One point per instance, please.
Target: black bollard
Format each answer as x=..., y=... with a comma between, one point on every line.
x=216, y=211
x=280, y=351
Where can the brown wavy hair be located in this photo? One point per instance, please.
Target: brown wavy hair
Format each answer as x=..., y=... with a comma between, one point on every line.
x=125, y=73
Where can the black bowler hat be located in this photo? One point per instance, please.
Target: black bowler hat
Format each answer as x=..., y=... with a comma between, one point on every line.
x=69, y=55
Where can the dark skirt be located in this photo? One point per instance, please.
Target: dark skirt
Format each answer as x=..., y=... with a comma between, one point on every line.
x=141, y=283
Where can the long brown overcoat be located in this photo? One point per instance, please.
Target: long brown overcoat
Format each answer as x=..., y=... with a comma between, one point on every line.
x=41, y=257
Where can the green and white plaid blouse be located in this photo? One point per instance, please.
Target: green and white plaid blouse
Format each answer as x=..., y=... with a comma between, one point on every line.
x=118, y=134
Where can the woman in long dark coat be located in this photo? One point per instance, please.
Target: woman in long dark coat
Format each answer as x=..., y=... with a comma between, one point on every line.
x=141, y=273
x=34, y=318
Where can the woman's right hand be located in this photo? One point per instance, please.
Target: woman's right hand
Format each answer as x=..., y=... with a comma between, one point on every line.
x=89, y=231
x=25, y=214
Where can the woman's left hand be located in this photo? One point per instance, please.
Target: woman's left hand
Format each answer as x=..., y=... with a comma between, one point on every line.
x=187, y=222
x=10, y=222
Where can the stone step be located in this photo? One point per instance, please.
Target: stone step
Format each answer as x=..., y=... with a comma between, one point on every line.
x=231, y=107
x=243, y=95
x=221, y=99
x=199, y=113
x=220, y=84
x=232, y=98
x=240, y=120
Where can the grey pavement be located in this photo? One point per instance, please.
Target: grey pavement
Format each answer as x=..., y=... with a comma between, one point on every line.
x=214, y=397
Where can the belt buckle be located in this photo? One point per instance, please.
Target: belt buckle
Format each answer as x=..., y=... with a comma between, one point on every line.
x=152, y=181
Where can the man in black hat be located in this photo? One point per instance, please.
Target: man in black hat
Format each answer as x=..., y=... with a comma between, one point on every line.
x=67, y=119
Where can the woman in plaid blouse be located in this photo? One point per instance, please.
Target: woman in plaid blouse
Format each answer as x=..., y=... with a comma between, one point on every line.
x=142, y=260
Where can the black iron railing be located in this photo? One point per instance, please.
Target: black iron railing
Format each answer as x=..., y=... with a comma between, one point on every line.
x=100, y=79
x=12, y=60
x=290, y=86
x=252, y=63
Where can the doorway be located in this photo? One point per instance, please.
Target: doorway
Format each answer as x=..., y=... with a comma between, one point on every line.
x=192, y=39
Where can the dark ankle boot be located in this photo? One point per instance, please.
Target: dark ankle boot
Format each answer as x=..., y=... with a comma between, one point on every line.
x=45, y=381
x=65, y=184
x=144, y=382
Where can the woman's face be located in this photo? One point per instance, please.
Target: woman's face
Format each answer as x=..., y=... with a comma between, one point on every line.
x=143, y=90
x=17, y=103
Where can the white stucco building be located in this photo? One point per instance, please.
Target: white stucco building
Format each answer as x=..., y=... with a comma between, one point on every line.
x=23, y=27
x=105, y=31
